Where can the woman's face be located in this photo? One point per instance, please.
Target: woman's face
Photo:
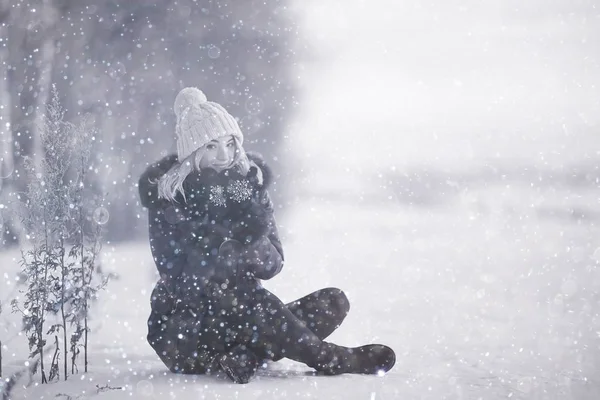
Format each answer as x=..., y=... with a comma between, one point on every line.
x=218, y=154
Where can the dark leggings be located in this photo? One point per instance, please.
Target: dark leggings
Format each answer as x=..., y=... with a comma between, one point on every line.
x=322, y=311
x=252, y=316
x=258, y=319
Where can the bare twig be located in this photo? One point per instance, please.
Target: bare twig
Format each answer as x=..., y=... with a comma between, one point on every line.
x=106, y=388
x=54, y=370
x=68, y=396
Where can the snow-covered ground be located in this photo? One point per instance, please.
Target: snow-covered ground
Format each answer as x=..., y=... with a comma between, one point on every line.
x=491, y=292
x=445, y=166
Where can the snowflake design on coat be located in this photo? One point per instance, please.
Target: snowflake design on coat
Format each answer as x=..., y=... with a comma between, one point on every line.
x=239, y=191
x=217, y=196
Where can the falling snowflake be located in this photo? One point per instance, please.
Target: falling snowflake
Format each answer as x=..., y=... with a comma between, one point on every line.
x=217, y=196
x=239, y=191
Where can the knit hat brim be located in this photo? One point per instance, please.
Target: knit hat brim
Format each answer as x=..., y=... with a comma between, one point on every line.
x=200, y=121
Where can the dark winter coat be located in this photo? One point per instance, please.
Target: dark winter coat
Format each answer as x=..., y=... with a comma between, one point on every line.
x=186, y=235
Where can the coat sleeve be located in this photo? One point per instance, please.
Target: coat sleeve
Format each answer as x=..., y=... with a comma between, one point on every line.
x=165, y=244
x=271, y=262
x=264, y=256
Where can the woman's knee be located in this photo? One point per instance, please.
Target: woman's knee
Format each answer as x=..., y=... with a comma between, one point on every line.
x=337, y=299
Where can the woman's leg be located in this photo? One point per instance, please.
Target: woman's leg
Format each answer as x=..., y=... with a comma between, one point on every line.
x=322, y=311
x=249, y=321
x=252, y=316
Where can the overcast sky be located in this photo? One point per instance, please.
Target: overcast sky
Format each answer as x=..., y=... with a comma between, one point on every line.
x=451, y=82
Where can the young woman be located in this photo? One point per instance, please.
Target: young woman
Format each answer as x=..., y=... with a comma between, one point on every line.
x=214, y=238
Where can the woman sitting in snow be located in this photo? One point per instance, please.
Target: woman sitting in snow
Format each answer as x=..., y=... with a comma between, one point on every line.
x=214, y=238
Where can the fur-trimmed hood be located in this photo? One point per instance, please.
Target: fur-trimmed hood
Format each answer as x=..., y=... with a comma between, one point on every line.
x=148, y=188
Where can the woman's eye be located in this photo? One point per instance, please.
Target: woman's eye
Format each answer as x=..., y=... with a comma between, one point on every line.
x=230, y=144
x=210, y=147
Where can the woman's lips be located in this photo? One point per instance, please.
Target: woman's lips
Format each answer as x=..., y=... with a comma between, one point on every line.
x=220, y=166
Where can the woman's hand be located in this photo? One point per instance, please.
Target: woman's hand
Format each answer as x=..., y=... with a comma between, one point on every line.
x=254, y=217
x=259, y=259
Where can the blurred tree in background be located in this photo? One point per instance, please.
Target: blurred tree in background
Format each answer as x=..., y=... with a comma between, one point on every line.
x=123, y=62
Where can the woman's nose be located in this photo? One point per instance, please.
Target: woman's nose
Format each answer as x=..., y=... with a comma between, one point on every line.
x=222, y=153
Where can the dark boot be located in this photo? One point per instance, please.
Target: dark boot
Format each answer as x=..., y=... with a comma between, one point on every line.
x=371, y=359
x=240, y=364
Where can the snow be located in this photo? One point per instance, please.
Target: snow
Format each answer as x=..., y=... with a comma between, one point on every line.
x=480, y=298
x=486, y=287
x=449, y=81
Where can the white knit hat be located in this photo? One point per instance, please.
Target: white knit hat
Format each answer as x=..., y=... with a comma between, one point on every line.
x=199, y=121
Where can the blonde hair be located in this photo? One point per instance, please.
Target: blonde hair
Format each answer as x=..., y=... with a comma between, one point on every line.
x=171, y=183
